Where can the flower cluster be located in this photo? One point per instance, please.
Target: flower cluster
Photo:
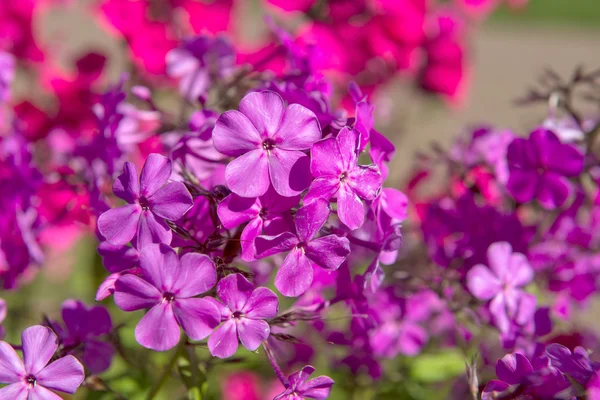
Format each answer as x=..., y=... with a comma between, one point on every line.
x=240, y=204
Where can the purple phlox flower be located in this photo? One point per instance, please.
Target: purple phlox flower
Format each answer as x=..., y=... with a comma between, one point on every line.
x=523, y=338
x=82, y=337
x=7, y=74
x=168, y=287
x=390, y=208
x=258, y=213
x=199, y=158
x=364, y=122
x=269, y=140
x=202, y=123
x=198, y=62
x=501, y=283
x=336, y=173
x=200, y=223
x=305, y=252
x=150, y=201
x=32, y=378
x=576, y=364
x=540, y=167
x=381, y=152
x=517, y=374
x=119, y=260
x=243, y=314
x=299, y=387
x=566, y=127
x=593, y=387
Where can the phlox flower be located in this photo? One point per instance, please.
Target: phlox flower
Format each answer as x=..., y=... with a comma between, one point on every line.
x=32, y=378
x=150, y=201
x=305, y=252
x=168, y=286
x=243, y=313
x=300, y=387
x=268, y=140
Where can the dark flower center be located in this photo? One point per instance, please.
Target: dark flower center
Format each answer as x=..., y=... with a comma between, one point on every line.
x=237, y=314
x=263, y=212
x=343, y=176
x=301, y=245
x=144, y=203
x=168, y=297
x=268, y=145
x=30, y=380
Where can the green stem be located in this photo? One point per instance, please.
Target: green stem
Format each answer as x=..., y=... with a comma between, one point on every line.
x=166, y=372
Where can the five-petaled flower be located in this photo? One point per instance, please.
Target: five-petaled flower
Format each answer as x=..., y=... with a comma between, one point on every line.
x=243, y=316
x=501, y=282
x=299, y=387
x=296, y=273
x=168, y=287
x=32, y=378
x=336, y=173
x=269, y=140
x=150, y=200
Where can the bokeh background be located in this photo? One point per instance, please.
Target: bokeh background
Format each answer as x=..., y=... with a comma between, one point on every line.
x=509, y=51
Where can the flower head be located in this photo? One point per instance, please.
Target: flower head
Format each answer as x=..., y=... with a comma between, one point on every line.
x=168, y=287
x=32, y=378
x=296, y=273
x=268, y=140
x=243, y=313
x=150, y=201
x=300, y=387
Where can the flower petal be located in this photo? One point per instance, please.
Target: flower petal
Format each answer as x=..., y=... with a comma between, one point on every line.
x=196, y=274
x=41, y=393
x=234, y=210
x=519, y=270
x=171, y=201
x=269, y=245
x=522, y=184
x=351, y=210
x=155, y=173
x=252, y=332
x=326, y=159
x=97, y=356
x=311, y=218
x=265, y=111
x=295, y=274
x=133, y=293
x=11, y=366
x=499, y=255
x=65, y=375
x=262, y=304
x=223, y=342
x=365, y=181
x=197, y=317
x=235, y=290
x=513, y=368
x=289, y=171
x=552, y=190
x=317, y=388
x=234, y=134
x=301, y=376
x=14, y=391
x=299, y=129
x=348, y=144
x=127, y=185
x=160, y=266
x=482, y=283
x=39, y=345
x=119, y=225
x=152, y=230
x=324, y=187
x=329, y=251
x=249, y=234
x=248, y=175
x=158, y=329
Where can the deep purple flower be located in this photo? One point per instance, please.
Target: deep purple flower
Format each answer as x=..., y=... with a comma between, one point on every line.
x=32, y=378
x=168, y=287
x=259, y=213
x=268, y=140
x=336, y=175
x=82, y=336
x=540, y=167
x=243, y=316
x=296, y=273
x=150, y=201
x=576, y=364
x=300, y=387
x=501, y=282
x=119, y=260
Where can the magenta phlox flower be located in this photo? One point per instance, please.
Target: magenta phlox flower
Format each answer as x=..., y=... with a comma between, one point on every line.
x=501, y=283
x=299, y=387
x=244, y=310
x=32, y=378
x=268, y=140
x=168, y=287
x=150, y=201
x=337, y=175
x=305, y=252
